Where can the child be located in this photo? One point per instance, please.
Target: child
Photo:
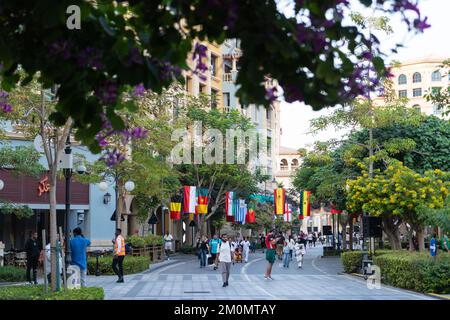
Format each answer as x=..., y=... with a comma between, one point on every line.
x=286, y=254
x=299, y=252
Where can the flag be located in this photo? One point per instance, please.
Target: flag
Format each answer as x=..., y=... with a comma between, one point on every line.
x=279, y=200
x=175, y=208
x=251, y=213
x=305, y=205
x=300, y=214
x=190, y=200
x=287, y=213
x=241, y=211
x=229, y=206
x=202, y=207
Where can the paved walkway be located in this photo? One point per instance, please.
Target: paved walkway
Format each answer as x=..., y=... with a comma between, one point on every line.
x=183, y=279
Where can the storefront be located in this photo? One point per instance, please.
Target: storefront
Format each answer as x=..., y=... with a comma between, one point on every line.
x=34, y=193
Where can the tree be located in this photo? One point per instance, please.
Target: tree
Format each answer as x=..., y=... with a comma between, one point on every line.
x=123, y=44
x=218, y=178
x=31, y=118
x=399, y=191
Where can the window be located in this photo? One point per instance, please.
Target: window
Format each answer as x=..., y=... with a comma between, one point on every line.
x=213, y=99
x=294, y=164
x=417, y=92
x=402, y=79
x=402, y=93
x=436, y=76
x=202, y=88
x=416, y=106
x=213, y=65
x=437, y=110
x=284, y=165
x=226, y=99
x=417, y=77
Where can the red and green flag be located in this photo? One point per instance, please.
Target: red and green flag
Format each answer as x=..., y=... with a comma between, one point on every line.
x=251, y=213
x=202, y=207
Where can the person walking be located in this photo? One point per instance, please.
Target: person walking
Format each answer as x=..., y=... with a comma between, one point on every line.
x=445, y=243
x=245, y=244
x=168, y=239
x=204, y=248
x=314, y=239
x=291, y=247
x=33, y=252
x=78, y=245
x=299, y=253
x=119, y=255
x=224, y=258
x=286, y=254
x=270, y=253
x=433, y=247
x=310, y=239
x=262, y=240
x=214, y=247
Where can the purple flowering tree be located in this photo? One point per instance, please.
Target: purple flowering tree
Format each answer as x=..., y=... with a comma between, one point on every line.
x=121, y=45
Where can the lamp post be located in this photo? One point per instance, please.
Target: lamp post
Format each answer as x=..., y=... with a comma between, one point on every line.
x=68, y=176
x=103, y=186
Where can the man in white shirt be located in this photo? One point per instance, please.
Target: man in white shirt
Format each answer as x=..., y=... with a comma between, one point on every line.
x=225, y=257
x=168, y=244
x=245, y=244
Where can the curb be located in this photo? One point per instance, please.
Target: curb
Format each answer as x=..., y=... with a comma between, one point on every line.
x=437, y=295
x=434, y=295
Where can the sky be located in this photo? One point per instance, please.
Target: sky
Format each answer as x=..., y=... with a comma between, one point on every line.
x=295, y=117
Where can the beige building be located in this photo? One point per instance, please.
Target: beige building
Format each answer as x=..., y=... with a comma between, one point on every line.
x=415, y=78
x=288, y=160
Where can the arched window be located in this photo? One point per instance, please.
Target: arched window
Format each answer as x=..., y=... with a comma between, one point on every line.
x=294, y=164
x=402, y=79
x=284, y=165
x=436, y=76
x=417, y=77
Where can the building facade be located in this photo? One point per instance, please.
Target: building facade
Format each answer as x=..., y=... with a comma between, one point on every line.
x=415, y=78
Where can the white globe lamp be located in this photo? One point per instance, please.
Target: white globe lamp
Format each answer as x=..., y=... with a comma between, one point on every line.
x=103, y=186
x=129, y=186
x=2, y=185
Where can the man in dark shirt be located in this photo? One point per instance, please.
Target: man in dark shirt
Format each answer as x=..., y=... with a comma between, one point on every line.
x=32, y=249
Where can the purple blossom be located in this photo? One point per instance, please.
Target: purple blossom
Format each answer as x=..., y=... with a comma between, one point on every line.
x=4, y=105
x=139, y=90
x=112, y=157
x=199, y=55
x=421, y=25
x=90, y=57
x=107, y=93
x=271, y=94
x=168, y=71
x=61, y=48
x=134, y=57
x=138, y=133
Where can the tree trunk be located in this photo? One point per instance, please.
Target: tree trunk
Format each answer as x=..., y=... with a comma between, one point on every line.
x=410, y=238
x=391, y=230
x=53, y=229
x=420, y=238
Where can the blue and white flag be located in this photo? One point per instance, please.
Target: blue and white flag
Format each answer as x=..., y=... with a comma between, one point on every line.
x=241, y=212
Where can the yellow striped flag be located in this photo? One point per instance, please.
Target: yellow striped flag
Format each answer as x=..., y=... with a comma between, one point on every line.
x=279, y=200
x=305, y=205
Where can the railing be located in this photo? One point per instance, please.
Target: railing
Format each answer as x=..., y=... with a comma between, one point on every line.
x=227, y=77
x=284, y=168
x=154, y=252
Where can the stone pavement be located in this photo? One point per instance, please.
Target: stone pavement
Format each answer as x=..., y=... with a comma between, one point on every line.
x=183, y=279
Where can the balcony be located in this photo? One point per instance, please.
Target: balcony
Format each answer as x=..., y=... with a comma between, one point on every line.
x=227, y=77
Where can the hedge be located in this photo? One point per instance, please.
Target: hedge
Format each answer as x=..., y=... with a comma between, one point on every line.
x=130, y=265
x=352, y=260
x=415, y=271
x=12, y=274
x=140, y=242
x=27, y=292
x=186, y=249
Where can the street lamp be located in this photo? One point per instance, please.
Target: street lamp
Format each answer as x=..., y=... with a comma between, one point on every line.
x=107, y=198
x=2, y=185
x=68, y=175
